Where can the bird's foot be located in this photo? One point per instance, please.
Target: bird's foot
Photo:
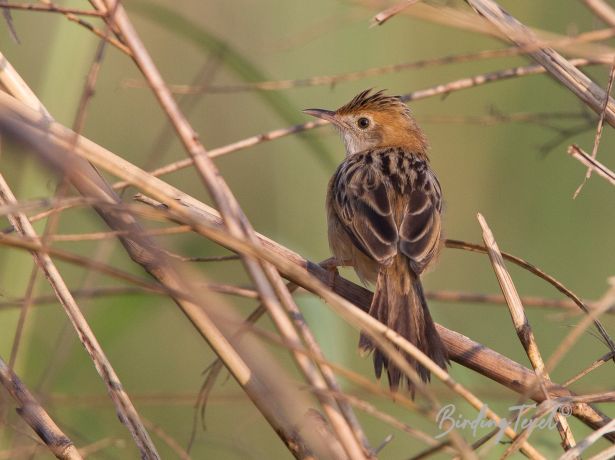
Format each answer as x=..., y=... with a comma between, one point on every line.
x=331, y=265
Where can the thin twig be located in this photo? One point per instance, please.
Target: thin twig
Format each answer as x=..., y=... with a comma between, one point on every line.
x=528, y=301
x=540, y=273
x=596, y=364
x=287, y=265
x=289, y=262
x=36, y=417
x=27, y=303
x=598, y=135
x=256, y=381
x=122, y=402
x=456, y=85
x=463, y=19
x=266, y=279
x=168, y=440
x=606, y=454
x=524, y=332
x=332, y=80
x=603, y=10
x=50, y=8
x=560, y=68
x=588, y=441
x=577, y=153
x=387, y=14
x=8, y=18
x=604, y=304
x=81, y=293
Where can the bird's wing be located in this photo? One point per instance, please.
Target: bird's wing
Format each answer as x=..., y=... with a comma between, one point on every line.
x=389, y=211
x=361, y=199
x=421, y=228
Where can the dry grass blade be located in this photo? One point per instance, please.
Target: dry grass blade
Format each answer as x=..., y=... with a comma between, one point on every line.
x=523, y=329
x=100, y=157
x=514, y=376
x=462, y=19
x=49, y=8
x=606, y=454
x=120, y=398
x=8, y=18
x=168, y=440
x=598, y=135
x=566, y=73
x=267, y=280
x=293, y=265
x=604, y=304
x=387, y=14
x=437, y=90
x=319, y=80
x=577, y=153
x=596, y=364
x=588, y=441
x=538, y=272
x=477, y=297
x=81, y=293
x=256, y=381
x=36, y=417
x=603, y=10
x=144, y=252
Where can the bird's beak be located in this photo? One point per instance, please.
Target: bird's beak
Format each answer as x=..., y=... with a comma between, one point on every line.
x=328, y=115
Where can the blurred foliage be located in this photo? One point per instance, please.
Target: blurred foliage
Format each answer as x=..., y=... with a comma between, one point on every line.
x=497, y=169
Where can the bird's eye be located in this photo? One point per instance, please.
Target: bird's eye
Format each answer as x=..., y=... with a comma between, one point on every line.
x=363, y=122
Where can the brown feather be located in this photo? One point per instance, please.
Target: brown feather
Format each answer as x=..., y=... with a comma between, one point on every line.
x=384, y=207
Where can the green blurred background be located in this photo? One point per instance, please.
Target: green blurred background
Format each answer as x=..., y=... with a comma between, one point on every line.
x=497, y=169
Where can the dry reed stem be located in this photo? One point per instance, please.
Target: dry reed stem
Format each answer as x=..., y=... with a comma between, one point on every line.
x=362, y=382
x=578, y=154
x=588, y=441
x=438, y=90
x=523, y=330
x=541, y=274
x=329, y=80
x=603, y=10
x=89, y=183
x=25, y=306
x=564, y=71
x=512, y=375
x=387, y=14
x=122, y=402
x=144, y=252
x=80, y=293
x=168, y=440
x=466, y=20
x=274, y=294
x=50, y=8
x=595, y=365
x=604, y=304
x=478, y=297
x=289, y=262
x=598, y=134
x=36, y=417
x=606, y=454
x=215, y=368
x=54, y=133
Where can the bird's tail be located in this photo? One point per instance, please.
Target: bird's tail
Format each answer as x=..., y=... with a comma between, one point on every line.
x=399, y=303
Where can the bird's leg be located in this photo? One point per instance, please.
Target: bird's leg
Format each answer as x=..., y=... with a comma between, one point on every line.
x=331, y=264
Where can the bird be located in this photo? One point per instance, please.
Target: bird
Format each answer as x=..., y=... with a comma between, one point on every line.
x=384, y=216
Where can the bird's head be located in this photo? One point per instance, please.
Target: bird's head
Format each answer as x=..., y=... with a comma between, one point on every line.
x=374, y=119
